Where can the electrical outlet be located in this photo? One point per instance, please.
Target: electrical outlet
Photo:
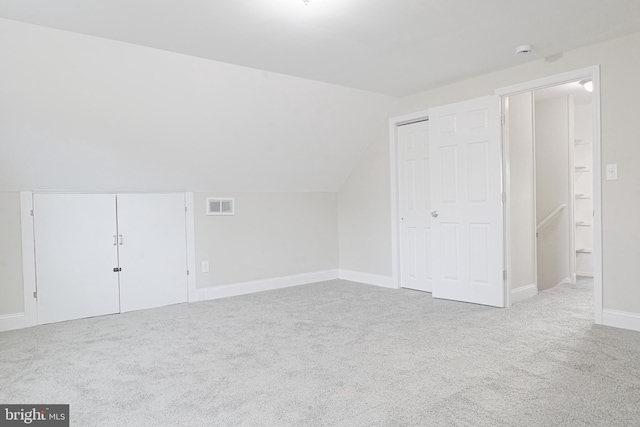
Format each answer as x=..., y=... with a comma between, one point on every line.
x=205, y=266
x=612, y=172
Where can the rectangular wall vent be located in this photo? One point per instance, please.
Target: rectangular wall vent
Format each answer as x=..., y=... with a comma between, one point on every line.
x=220, y=206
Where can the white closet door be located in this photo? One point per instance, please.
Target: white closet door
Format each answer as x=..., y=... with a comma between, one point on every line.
x=152, y=250
x=75, y=256
x=415, y=213
x=466, y=198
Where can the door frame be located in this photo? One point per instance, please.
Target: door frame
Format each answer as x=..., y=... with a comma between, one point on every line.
x=592, y=73
x=506, y=168
x=394, y=123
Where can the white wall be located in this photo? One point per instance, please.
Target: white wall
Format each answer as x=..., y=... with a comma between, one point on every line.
x=11, y=291
x=271, y=235
x=552, y=190
x=519, y=113
x=619, y=62
x=82, y=113
x=364, y=212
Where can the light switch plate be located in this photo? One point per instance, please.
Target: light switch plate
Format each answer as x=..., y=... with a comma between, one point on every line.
x=205, y=266
x=612, y=172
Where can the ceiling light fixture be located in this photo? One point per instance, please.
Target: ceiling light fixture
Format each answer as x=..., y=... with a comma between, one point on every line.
x=306, y=2
x=587, y=84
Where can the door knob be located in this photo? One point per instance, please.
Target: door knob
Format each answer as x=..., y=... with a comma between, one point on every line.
x=434, y=214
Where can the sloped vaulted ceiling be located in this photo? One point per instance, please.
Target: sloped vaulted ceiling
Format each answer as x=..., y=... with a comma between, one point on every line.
x=142, y=94
x=84, y=113
x=397, y=47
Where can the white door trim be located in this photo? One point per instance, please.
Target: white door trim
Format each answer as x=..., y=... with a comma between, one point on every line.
x=593, y=73
x=191, y=246
x=512, y=296
x=28, y=259
x=506, y=206
x=572, y=193
x=394, y=122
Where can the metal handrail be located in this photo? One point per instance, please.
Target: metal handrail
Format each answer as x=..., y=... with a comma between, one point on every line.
x=548, y=218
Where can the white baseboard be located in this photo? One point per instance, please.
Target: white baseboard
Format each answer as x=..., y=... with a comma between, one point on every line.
x=523, y=292
x=370, y=279
x=9, y=322
x=621, y=319
x=584, y=274
x=243, y=288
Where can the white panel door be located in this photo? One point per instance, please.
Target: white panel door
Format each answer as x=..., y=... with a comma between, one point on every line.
x=152, y=250
x=466, y=200
x=415, y=218
x=75, y=256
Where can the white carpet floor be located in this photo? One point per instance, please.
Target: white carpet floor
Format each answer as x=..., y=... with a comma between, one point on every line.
x=333, y=354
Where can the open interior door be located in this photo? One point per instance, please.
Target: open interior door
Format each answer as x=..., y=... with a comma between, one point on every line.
x=466, y=201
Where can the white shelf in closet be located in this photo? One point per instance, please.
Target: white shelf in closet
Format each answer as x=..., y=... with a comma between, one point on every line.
x=583, y=188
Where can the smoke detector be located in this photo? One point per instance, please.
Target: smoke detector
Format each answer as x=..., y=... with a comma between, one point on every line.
x=524, y=49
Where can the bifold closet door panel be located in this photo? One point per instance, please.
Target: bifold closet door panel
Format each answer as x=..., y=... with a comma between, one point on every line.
x=152, y=250
x=75, y=256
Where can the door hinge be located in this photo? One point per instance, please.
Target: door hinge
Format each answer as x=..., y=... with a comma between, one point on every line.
x=502, y=118
x=185, y=209
x=31, y=212
x=504, y=197
x=35, y=294
x=187, y=272
x=504, y=274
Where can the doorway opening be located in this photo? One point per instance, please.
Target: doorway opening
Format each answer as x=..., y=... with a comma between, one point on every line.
x=552, y=181
x=563, y=117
